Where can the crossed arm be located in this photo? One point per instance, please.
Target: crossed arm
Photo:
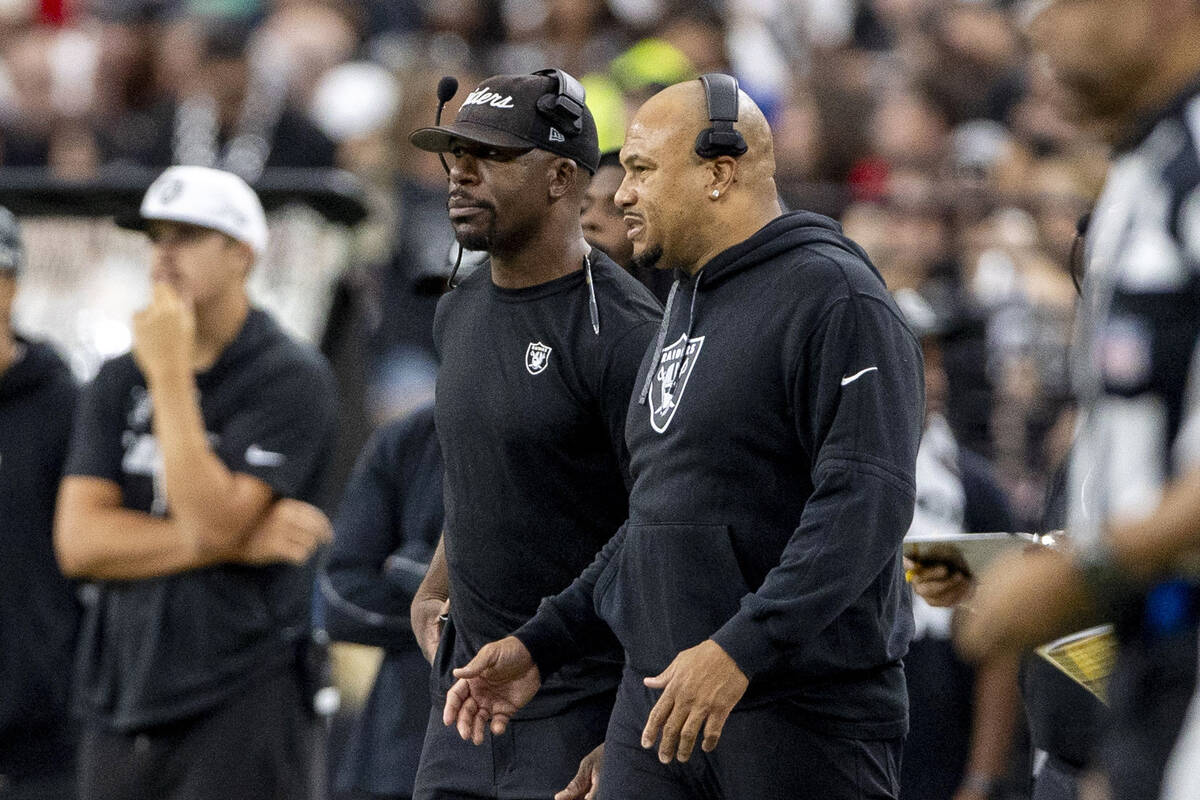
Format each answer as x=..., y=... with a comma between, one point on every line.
x=217, y=515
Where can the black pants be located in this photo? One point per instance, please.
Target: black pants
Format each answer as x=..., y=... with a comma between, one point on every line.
x=764, y=753
x=1057, y=780
x=55, y=786
x=531, y=760
x=254, y=746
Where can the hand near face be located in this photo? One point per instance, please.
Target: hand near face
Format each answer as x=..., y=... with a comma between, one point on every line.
x=164, y=334
x=700, y=688
x=498, y=681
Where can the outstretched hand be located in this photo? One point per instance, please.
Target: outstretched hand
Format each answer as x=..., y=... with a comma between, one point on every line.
x=497, y=682
x=700, y=688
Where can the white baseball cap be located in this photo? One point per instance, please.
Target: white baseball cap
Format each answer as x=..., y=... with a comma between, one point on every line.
x=210, y=198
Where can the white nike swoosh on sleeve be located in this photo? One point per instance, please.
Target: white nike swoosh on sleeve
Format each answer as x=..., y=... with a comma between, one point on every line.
x=851, y=379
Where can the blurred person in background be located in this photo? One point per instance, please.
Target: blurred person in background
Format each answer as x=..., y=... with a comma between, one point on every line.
x=39, y=614
x=183, y=507
x=47, y=77
x=230, y=114
x=1129, y=69
x=962, y=720
x=385, y=532
x=604, y=226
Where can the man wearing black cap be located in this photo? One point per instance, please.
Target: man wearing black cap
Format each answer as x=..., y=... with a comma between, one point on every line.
x=38, y=612
x=539, y=354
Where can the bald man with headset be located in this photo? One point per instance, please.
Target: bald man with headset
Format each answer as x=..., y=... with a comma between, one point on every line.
x=757, y=587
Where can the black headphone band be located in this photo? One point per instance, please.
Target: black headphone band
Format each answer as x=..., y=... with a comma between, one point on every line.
x=721, y=139
x=564, y=106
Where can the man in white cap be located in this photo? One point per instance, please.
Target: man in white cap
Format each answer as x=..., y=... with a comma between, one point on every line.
x=183, y=507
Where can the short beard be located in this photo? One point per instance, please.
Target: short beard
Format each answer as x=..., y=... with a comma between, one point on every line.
x=648, y=260
x=475, y=241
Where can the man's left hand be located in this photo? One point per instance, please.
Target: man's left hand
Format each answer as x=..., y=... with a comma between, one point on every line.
x=700, y=689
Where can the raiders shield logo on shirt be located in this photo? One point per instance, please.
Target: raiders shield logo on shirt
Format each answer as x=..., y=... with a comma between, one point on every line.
x=537, y=356
x=674, y=369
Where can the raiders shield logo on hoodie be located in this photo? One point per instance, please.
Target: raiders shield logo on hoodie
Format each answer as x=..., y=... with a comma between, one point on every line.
x=671, y=378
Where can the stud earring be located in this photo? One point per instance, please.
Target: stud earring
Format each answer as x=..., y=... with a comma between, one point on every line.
x=715, y=194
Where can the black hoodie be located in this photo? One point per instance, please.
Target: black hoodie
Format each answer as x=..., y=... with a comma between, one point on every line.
x=38, y=612
x=772, y=459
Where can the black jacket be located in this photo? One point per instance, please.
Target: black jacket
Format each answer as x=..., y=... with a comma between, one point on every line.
x=772, y=452
x=385, y=532
x=39, y=615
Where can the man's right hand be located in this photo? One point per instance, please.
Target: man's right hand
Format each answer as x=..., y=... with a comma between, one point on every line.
x=498, y=682
x=939, y=584
x=290, y=533
x=586, y=782
x=428, y=618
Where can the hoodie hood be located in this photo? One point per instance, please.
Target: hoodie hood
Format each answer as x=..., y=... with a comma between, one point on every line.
x=783, y=234
x=38, y=365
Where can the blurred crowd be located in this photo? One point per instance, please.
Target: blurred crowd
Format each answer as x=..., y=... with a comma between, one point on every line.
x=923, y=125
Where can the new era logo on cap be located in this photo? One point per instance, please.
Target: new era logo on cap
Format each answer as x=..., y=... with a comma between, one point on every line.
x=555, y=136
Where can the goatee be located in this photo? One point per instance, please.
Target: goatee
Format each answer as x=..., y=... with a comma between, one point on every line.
x=647, y=260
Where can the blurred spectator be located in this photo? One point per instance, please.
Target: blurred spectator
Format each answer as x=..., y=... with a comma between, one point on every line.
x=39, y=615
x=230, y=115
x=604, y=226
x=385, y=533
x=962, y=720
x=183, y=506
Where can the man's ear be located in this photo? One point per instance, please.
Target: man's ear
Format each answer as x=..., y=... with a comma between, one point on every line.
x=246, y=252
x=565, y=178
x=722, y=174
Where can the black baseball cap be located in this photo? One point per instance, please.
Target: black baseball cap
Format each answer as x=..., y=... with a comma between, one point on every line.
x=503, y=111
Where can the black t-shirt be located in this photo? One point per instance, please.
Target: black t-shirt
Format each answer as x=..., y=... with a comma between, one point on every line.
x=531, y=407
x=163, y=649
x=38, y=612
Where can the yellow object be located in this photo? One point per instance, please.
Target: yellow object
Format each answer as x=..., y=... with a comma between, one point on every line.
x=608, y=108
x=1087, y=657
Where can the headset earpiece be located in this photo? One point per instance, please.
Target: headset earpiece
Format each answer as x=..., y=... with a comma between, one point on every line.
x=722, y=139
x=563, y=106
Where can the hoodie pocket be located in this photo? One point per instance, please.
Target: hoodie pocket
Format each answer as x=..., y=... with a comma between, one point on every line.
x=670, y=588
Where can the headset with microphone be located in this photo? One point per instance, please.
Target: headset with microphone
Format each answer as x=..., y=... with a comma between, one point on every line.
x=446, y=89
x=721, y=139
x=564, y=107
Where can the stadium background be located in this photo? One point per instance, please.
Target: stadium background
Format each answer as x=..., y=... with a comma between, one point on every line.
x=923, y=125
